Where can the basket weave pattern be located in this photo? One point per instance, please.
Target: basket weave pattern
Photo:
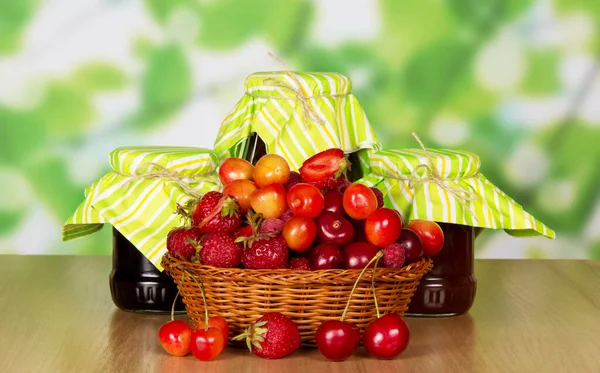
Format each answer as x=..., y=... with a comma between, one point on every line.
x=307, y=297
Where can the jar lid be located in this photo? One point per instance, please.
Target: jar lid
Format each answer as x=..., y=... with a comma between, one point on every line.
x=288, y=84
x=451, y=164
x=447, y=186
x=132, y=160
x=142, y=192
x=297, y=115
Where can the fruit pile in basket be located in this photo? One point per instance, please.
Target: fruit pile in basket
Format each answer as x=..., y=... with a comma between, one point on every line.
x=269, y=217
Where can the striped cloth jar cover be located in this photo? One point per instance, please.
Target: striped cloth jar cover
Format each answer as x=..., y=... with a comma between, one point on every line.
x=460, y=195
x=297, y=115
x=139, y=196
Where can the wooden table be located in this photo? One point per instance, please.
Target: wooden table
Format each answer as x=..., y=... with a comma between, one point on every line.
x=56, y=315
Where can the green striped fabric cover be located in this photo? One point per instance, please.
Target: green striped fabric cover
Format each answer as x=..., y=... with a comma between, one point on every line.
x=276, y=114
x=142, y=209
x=487, y=207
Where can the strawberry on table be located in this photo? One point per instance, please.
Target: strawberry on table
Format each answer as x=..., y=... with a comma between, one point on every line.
x=326, y=170
x=217, y=213
x=273, y=336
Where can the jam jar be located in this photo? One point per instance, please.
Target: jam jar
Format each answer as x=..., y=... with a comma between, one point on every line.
x=448, y=289
x=136, y=284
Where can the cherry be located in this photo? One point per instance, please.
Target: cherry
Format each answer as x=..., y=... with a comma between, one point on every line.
x=334, y=229
x=383, y=227
x=271, y=169
x=299, y=232
x=386, y=337
x=333, y=202
x=337, y=340
x=174, y=337
x=410, y=241
x=359, y=201
x=358, y=254
x=235, y=169
x=430, y=233
x=305, y=200
x=216, y=322
x=207, y=343
x=326, y=256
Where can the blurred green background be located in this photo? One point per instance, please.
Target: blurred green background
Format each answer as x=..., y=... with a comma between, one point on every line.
x=516, y=81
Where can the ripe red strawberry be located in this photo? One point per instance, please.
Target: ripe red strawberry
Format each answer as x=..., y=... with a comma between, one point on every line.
x=325, y=170
x=264, y=252
x=183, y=243
x=300, y=264
x=273, y=336
x=217, y=213
x=220, y=250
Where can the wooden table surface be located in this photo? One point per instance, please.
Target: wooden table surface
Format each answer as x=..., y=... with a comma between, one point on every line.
x=56, y=315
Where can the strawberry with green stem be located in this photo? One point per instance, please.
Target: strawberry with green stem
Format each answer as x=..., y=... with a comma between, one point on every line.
x=272, y=336
x=326, y=170
x=263, y=250
x=183, y=242
x=216, y=212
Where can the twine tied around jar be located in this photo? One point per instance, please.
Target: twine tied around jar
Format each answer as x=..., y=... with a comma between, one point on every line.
x=309, y=112
x=432, y=175
x=162, y=172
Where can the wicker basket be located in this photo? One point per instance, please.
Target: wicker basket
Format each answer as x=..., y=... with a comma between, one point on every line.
x=307, y=297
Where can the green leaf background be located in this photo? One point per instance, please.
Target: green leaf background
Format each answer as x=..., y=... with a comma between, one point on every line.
x=421, y=67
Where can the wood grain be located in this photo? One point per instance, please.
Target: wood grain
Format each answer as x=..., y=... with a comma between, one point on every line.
x=56, y=315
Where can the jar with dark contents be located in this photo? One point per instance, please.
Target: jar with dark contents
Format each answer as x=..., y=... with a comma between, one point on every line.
x=449, y=288
x=136, y=285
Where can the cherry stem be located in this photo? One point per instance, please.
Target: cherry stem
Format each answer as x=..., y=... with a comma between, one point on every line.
x=373, y=286
x=376, y=257
x=176, y=295
x=201, y=287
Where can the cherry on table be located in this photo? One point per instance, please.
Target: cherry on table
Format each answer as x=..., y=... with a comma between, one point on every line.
x=207, y=343
x=337, y=340
x=174, y=336
x=386, y=337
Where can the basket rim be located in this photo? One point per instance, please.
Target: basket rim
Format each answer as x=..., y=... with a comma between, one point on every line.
x=286, y=275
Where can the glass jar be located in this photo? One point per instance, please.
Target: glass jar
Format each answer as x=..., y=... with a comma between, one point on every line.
x=136, y=284
x=449, y=288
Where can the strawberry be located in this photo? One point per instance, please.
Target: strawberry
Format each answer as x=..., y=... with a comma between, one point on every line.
x=262, y=249
x=300, y=264
x=273, y=336
x=265, y=252
x=217, y=213
x=183, y=243
x=325, y=170
x=220, y=250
